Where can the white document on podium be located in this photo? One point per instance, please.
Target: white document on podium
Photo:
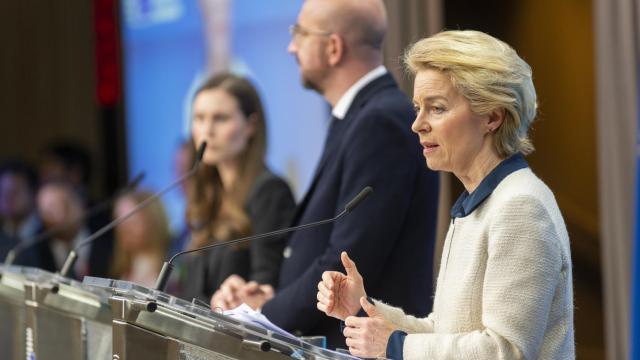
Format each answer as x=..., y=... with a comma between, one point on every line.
x=245, y=313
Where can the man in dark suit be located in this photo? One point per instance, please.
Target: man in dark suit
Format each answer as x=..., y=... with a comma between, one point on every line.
x=337, y=45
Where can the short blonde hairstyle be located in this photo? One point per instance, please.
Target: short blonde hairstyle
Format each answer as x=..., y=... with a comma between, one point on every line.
x=489, y=74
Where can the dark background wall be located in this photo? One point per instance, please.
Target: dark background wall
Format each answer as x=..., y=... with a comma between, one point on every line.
x=48, y=85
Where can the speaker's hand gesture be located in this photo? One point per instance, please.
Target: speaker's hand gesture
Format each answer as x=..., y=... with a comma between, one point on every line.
x=339, y=294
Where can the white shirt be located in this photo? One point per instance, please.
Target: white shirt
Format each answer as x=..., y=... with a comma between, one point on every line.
x=342, y=106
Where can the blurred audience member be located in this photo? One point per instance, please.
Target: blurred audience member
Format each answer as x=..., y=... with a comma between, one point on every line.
x=18, y=186
x=234, y=194
x=68, y=161
x=142, y=240
x=61, y=210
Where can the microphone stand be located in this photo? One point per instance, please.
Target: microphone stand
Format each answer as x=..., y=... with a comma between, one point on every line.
x=167, y=267
x=19, y=248
x=73, y=254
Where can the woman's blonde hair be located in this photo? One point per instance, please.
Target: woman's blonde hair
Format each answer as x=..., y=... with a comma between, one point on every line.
x=213, y=212
x=157, y=239
x=489, y=74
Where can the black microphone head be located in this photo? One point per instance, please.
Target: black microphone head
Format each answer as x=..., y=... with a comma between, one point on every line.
x=131, y=185
x=200, y=152
x=358, y=199
x=136, y=181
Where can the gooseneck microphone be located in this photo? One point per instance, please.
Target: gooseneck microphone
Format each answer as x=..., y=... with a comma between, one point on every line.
x=167, y=267
x=20, y=247
x=73, y=255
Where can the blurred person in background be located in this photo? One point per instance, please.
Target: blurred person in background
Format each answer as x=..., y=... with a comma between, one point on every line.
x=68, y=161
x=20, y=222
x=61, y=209
x=141, y=241
x=233, y=194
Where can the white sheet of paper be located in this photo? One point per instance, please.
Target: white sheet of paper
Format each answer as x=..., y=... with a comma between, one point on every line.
x=245, y=313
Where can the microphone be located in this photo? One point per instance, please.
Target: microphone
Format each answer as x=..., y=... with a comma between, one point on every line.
x=167, y=267
x=73, y=255
x=19, y=248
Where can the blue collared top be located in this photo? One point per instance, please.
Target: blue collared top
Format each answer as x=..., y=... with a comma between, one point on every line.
x=464, y=206
x=466, y=203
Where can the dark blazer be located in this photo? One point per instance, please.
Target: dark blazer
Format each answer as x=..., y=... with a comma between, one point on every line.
x=100, y=254
x=390, y=236
x=270, y=206
x=7, y=243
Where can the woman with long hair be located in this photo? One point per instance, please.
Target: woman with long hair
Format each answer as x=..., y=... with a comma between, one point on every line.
x=233, y=194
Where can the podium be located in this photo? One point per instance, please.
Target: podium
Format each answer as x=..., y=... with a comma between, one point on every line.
x=53, y=317
x=13, y=310
x=45, y=316
x=148, y=324
x=67, y=320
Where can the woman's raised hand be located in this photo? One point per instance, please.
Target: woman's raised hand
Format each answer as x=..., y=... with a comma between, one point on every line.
x=339, y=294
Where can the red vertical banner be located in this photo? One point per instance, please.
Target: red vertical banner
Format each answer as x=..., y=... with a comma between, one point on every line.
x=634, y=341
x=107, y=52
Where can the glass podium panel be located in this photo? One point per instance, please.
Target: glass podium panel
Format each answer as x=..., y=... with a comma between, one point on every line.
x=66, y=320
x=150, y=322
x=12, y=307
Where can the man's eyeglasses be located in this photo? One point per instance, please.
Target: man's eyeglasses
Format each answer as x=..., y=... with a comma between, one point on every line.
x=296, y=30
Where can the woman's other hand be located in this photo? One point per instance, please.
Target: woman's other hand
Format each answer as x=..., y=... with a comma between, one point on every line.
x=227, y=296
x=367, y=337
